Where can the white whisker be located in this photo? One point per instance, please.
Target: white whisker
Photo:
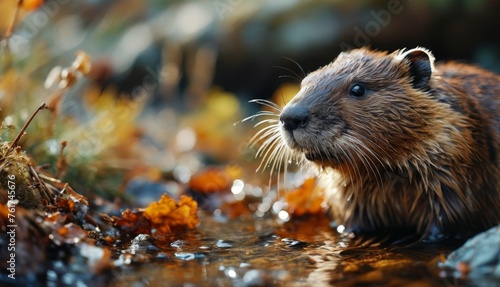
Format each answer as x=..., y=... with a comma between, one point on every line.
x=349, y=160
x=274, y=153
x=267, y=121
x=277, y=159
x=264, y=133
x=365, y=160
x=269, y=159
x=267, y=103
x=267, y=144
x=260, y=114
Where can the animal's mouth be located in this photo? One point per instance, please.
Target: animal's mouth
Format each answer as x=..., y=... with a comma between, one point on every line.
x=301, y=141
x=315, y=153
x=289, y=138
x=310, y=150
x=311, y=153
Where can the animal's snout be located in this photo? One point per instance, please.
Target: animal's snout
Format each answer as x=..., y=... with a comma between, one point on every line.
x=293, y=117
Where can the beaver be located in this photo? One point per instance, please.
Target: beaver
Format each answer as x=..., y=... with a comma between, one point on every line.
x=409, y=147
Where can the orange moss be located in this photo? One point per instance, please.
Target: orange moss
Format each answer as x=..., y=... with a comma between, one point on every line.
x=166, y=214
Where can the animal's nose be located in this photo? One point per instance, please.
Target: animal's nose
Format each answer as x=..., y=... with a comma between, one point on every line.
x=293, y=117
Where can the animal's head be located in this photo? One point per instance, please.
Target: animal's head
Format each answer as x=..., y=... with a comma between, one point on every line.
x=365, y=109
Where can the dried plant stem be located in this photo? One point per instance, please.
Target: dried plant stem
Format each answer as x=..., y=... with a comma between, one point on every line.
x=12, y=24
x=7, y=55
x=21, y=132
x=44, y=189
x=61, y=161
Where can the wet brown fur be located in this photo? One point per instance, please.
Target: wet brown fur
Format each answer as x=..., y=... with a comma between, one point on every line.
x=405, y=159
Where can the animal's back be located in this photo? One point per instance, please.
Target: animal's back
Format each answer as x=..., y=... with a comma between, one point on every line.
x=483, y=88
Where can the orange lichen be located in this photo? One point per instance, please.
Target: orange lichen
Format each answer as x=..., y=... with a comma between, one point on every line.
x=306, y=199
x=132, y=222
x=166, y=214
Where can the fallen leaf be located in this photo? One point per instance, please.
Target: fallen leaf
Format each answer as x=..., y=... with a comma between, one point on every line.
x=213, y=179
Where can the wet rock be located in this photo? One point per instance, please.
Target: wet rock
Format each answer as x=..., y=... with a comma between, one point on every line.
x=143, y=243
x=268, y=239
x=478, y=258
x=293, y=243
x=178, y=244
x=162, y=256
x=223, y=244
x=190, y=255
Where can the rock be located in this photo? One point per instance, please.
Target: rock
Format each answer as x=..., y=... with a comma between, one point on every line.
x=478, y=258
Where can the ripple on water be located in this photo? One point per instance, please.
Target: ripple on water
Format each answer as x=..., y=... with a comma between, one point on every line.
x=261, y=251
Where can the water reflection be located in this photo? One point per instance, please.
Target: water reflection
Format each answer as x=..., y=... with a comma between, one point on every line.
x=252, y=251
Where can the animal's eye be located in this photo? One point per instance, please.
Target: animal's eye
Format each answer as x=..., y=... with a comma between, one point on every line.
x=357, y=91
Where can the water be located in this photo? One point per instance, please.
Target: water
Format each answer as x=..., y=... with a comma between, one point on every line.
x=252, y=251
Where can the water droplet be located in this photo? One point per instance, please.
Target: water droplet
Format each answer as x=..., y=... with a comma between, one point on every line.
x=231, y=273
x=283, y=215
x=190, y=255
x=340, y=228
x=257, y=192
x=253, y=278
x=217, y=212
x=178, y=244
x=223, y=244
x=294, y=243
x=238, y=186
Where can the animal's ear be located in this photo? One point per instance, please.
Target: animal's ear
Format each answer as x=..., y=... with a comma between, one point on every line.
x=421, y=64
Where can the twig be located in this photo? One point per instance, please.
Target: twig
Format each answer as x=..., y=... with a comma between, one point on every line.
x=7, y=54
x=21, y=132
x=12, y=23
x=61, y=161
x=44, y=190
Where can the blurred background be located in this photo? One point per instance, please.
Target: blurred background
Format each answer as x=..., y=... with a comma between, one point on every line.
x=169, y=78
